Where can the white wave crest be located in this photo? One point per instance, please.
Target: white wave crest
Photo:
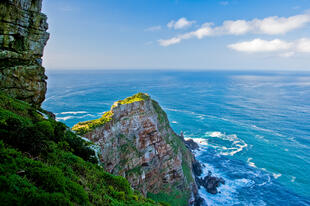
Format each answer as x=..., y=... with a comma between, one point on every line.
x=65, y=118
x=276, y=176
x=74, y=117
x=73, y=112
x=251, y=164
x=293, y=179
x=235, y=144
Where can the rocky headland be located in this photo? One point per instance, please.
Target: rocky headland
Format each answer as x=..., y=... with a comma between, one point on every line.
x=142, y=161
x=138, y=143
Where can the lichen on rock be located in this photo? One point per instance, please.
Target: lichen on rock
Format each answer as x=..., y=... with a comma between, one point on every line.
x=23, y=37
x=139, y=144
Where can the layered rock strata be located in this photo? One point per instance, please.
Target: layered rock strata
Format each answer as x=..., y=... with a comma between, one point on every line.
x=138, y=143
x=22, y=39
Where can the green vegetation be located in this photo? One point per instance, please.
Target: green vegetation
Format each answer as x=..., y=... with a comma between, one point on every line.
x=162, y=116
x=187, y=170
x=175, y=197
x=43, y=163
x=135, y=98
x=85, y=127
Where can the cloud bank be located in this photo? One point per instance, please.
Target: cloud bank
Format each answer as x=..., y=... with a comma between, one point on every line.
x=270, y=26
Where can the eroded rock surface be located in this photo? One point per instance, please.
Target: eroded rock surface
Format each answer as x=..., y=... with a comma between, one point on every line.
x=22, y=39
x=139, y=144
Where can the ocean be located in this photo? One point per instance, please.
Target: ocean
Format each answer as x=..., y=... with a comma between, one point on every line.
x=253, y=127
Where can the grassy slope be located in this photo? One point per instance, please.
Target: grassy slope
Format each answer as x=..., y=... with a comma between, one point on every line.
x=43, y=163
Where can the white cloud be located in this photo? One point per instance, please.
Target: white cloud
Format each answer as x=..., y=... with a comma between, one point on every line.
x=280, y=25
x=180, y=24
x=168, y=42
x=280, y=47
x=269, y=26
x=259, y=45
x=303, y=45
x=153, y=28
x=199, y=33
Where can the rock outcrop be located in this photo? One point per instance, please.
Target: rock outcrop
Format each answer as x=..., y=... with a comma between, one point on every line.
x=210, y=183
x=138, y=143
x=22, y=39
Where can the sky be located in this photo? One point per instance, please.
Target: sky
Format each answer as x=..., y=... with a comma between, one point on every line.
x=178, y=34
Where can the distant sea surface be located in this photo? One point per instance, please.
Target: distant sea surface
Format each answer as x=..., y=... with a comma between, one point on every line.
x=253, y=127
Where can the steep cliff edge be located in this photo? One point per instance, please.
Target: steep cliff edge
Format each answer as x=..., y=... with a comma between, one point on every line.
x=138, y=143
x=22, y=39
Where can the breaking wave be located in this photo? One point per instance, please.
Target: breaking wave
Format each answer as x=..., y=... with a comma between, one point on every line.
x=227, y=145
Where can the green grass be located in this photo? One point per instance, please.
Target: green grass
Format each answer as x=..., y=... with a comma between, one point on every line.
x=175, y=197
x=162, y=116
x=43, y=163
x=85, y=127
x=187, y=171
x=135, y=98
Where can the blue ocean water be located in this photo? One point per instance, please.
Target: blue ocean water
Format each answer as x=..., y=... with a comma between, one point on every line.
x=253, y=127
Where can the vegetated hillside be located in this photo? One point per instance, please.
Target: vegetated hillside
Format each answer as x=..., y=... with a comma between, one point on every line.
x=43, y=163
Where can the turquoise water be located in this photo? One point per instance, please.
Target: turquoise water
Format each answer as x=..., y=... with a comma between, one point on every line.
x=253, y=127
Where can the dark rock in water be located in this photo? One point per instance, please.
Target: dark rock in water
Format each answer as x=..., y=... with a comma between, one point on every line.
x=197, y=168
x=199, y=201
x=210, y=183
x=190, y=144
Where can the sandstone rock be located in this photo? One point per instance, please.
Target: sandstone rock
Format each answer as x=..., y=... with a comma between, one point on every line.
x=22, y=39
x=138, y=143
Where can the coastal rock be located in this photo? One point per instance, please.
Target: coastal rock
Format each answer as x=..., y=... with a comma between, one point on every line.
x=23, y=37
x=210, y=183
x=197, y=168
x=138, y=143
x=191, y=145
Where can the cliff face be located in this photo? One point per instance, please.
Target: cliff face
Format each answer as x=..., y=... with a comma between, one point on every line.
x=138, y=143
x=22, y=39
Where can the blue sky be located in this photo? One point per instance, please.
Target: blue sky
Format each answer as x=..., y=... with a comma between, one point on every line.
x=178, y=34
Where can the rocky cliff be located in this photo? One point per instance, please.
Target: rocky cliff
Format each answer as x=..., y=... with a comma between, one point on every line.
x=22, y=39
x=138, y=143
